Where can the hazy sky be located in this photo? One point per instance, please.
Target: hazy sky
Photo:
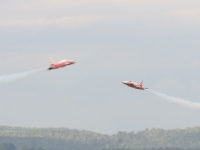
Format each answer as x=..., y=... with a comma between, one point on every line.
x=112, y=41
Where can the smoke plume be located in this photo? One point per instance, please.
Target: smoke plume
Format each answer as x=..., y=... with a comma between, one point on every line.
x=15, y=76
x=176, y=100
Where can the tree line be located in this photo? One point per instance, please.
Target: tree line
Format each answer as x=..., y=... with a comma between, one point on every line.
x=10, y=146
x=66, y=139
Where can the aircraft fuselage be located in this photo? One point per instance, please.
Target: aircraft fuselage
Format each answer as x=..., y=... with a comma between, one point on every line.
x=60, y=64
x=134, y=85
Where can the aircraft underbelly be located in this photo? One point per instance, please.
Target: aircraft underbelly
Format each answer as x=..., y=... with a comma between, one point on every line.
x=139, y=88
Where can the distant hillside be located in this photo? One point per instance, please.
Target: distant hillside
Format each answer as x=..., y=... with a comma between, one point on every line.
x=66, y=139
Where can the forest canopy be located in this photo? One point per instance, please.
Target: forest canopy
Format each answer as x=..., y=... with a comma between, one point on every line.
x=67, y=139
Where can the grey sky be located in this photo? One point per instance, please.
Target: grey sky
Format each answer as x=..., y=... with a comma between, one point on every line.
x=112, y=41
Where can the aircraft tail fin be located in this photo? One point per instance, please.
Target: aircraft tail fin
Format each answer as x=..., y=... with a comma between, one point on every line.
x=141, y=83
x=51, y=60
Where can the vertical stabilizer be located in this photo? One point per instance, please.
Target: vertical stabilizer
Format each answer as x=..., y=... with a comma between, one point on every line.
x=51, y=61
x=141, y=83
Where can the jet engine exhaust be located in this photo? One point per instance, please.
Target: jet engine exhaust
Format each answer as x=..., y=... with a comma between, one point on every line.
x=176, y=100
x=15, y=76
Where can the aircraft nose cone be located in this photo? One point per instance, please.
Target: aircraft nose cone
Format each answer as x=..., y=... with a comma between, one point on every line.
x=73, y=62
x=124, y=82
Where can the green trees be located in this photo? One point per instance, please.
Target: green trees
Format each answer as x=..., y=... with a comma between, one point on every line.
x=66, y=139
x=10, y=146
x=24, y=148
x=7, y=146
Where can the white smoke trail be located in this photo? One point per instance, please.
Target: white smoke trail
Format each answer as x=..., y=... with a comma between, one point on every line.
x=176, y=100
x=15, y=76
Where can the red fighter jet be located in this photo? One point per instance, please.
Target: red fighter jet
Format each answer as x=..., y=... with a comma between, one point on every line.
x=134, y=85
x=60, y=64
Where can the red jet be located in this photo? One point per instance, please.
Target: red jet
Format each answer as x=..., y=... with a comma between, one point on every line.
x=60, y=64
x=134, y=85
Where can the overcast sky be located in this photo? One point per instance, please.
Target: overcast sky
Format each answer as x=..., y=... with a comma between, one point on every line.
x=112, y=41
